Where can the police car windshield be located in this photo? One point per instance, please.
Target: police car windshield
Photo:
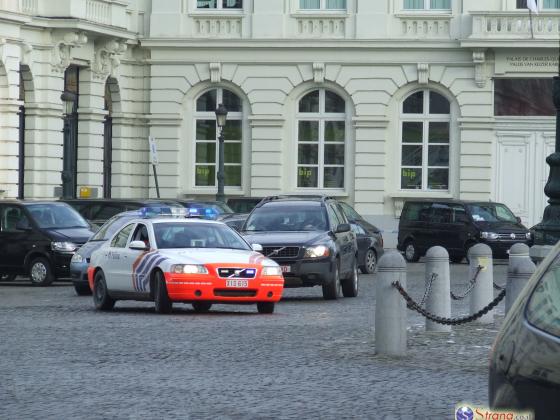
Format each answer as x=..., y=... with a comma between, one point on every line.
x=59, y=216
x=197, y=235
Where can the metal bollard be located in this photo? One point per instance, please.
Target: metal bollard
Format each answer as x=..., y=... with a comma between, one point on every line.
x=520, y=268
x=439, y=300
x=483, y=290
x=390, y=307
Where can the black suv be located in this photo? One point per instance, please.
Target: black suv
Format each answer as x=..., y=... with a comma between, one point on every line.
x=38, y=238
x=310, y=238
x=457, y=225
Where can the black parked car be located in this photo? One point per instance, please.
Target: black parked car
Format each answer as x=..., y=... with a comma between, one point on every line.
x=370, y=240
x=458, y=225
x=98, y=210
x=211, y=210
x=234, y=220
x=310, y=238
x=243, y=204
x=38, y=239
x=525, y=360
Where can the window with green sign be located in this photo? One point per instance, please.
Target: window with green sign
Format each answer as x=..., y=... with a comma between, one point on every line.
x=206, y=139
x=425, y=140
x=321, y=140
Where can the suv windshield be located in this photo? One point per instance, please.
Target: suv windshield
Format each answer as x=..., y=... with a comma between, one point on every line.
x=491, y=213
x=58, y=216
x=287, y=218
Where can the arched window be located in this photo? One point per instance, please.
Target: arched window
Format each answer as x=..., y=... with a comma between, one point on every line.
x=425, y=139
x=206, y=153
x=321, y=140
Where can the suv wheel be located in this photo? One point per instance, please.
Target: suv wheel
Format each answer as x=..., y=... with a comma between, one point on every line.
x=40, y=272
x=350, y=285
x=332, y=289
x=411, y=252
x=370, y=262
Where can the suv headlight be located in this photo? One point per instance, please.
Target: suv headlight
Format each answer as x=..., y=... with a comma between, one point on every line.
x=317, y=251
x=272, y=271
x=489, y=235
x=77, y=258
x=64, y=246
x=188, y=269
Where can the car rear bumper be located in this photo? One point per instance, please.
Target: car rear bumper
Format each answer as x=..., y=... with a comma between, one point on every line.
x=188, y=288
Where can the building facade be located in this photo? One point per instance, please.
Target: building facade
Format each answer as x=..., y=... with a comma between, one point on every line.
x=370, y=101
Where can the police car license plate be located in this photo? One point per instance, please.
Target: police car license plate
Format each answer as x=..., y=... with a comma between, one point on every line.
x=237, y=283
x=285, y=268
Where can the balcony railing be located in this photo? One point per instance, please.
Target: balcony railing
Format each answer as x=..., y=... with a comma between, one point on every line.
x=30, y=7
x=320, y=27
x=217, y=26
x=515, y=25
x=429, y=26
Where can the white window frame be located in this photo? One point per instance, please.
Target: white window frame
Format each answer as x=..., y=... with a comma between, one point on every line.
x=211, y=115
x=322, y=117
x=427, y=7
x=425, y=118
x=322, y=8
x=219, y=7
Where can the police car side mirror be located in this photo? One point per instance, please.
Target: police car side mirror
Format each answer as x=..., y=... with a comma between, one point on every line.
x=140, y=245
x=257, y=247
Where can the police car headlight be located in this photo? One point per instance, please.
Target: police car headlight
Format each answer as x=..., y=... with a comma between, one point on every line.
x=317, y=251
x=272, y=271
x=77, y=258
x=64, y=246
x=188, y=269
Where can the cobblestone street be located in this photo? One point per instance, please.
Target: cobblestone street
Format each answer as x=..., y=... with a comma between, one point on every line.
x=311, y=359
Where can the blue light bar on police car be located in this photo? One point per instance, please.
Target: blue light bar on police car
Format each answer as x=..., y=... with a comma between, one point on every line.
x=155, y=211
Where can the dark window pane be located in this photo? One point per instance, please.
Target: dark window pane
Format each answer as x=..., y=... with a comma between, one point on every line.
x=207, y=102
x=206, y=129
x=412, y=155
x=309, y=4
x=307, y=177
x=414, y=104
x=439, y=132
x=205, y=152
x=438, y=104
x=334, y=130
x=334, y=178
x=308, y=154
x=232, y=176
x=334, y=103
x=206, y=4
x=308, y=131
x=523, y=97
x=411, y=178
x=205, y=175
x=231, y=101
x=232, y=130
x=310, y=102
x=334, y=154
x=521, y=4
x=71, y=79
x=412, y=132
x=232, y=152
x=438, y=156
x=232, y=4
x=438, y=179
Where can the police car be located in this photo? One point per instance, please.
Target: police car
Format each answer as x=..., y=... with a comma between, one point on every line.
x=187, y=260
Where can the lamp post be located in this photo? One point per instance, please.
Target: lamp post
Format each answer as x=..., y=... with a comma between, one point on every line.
x=547, y=232
x=221, y=117
x=68, y=150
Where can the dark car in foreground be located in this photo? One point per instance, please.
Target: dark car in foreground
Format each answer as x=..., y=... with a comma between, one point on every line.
x=243, y=204
x=211, y=210
x=234, y=220
x=369, y=238
x=524, y=369
x=98, y=210
x=310, y=238
x=38, y=239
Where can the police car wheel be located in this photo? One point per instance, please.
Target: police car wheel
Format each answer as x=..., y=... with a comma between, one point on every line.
x=201, y=306
x=161, y=298
x=265, y=307
x=101, y=298
x=40, y=272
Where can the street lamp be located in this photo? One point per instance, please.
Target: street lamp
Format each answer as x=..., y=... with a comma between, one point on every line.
x=547, y=232
x=68, y=158
x=221, y=117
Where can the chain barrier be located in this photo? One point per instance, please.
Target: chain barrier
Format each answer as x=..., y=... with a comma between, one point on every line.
x=428, y=289
x=498, y=287
x=470, y=287
x=411, y=304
